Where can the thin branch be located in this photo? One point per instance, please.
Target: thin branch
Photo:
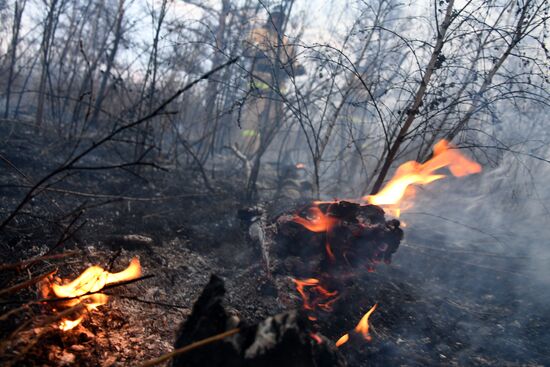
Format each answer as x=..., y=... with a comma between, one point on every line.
x=190, y=347
x=72, y=162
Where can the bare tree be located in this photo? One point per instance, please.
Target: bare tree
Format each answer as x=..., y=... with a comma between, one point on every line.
x=16, y=29
x=54, y=7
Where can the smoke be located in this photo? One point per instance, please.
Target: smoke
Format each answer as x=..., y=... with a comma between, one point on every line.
x=480, y=246
x=502, y=211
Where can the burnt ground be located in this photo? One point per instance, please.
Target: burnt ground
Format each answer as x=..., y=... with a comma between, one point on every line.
x=436, y=306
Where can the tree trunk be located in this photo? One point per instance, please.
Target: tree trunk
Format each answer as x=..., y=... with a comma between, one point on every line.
x=45, y=48
x=18, y=13
x=110, y=60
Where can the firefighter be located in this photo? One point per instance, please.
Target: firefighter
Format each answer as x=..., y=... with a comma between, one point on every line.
x=272, y=61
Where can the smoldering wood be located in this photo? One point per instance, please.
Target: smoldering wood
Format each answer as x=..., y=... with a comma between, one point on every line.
x=360, y=237
x=285, y=339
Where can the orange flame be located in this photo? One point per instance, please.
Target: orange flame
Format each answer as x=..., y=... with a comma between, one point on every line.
x=92, y=280
x=317, y=296
x=70, y=324
x=362, y=328
x=414, y=173
x=318, y=221
x=344, y=339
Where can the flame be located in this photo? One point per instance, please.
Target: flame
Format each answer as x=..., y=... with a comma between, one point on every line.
x=316, y=337
x=95, y=278
x=67, y=324
x=318, y=221
x=316, y=297
x=344, y=339
x=92, y=280
x=362, y=328
x=414, y=173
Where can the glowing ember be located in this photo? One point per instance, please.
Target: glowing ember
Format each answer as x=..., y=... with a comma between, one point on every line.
x=316, y=296
x=316, y=337
x=362, y=328
x=91, y=280
x=317, y=221
x=329, y=251
x=414, y=173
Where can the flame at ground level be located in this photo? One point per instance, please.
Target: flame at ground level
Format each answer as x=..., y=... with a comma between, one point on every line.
x=70, y=324
x=92, y=280
x=414, y=173
x=316, y=296
x=362, y=328
x=317, y=221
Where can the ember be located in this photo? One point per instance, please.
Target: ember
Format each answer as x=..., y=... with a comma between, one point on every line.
x=316, y=297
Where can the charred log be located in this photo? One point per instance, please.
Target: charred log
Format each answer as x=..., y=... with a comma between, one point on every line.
x=286, y=339
x=358, y=236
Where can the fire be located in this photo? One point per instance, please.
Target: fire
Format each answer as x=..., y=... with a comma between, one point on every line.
x=414, y=173
x=317, y=221
x=70, y=324
x=316, y=337
x=344, y=339
x=316, y=297
x=91, y=280
x=362, y=328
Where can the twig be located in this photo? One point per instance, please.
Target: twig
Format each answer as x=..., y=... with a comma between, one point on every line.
x=149, y=302
x=14, y=311
x=60, y=315
x=117, y=197
x=67, y=233
x=25, y=263
x=195, y=345
x=122, y=165
x=46, y=324
x=60, y=299
x=71, y=163
x=26, y=283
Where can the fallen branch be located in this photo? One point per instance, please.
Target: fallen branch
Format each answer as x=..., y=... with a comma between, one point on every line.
x=60, y=299
x=26, y=283
x=149, y=302
x=25, y=263
x=119, y=197
x=187, y=348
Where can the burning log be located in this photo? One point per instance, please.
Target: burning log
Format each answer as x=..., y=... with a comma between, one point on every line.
x=326, y=245
x=286, y=339
x=339, y=235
